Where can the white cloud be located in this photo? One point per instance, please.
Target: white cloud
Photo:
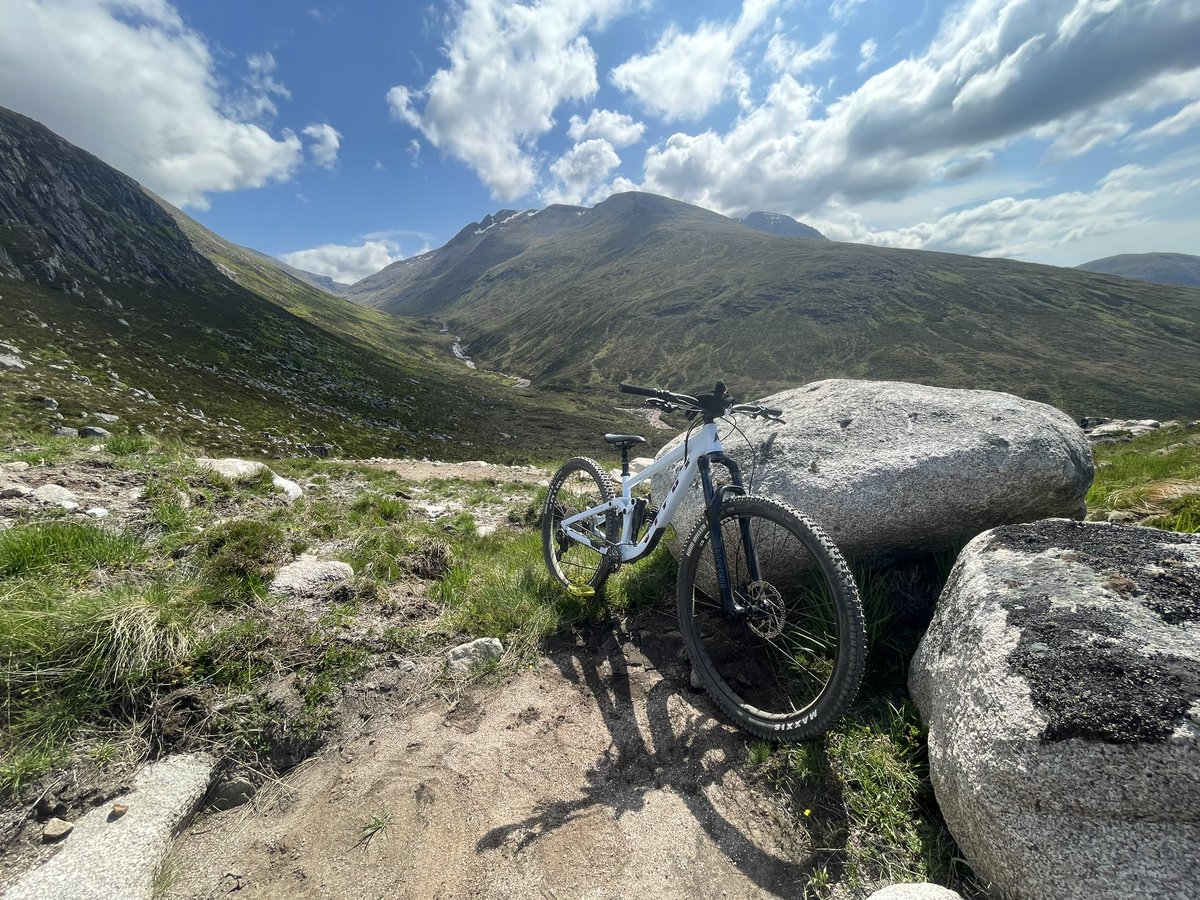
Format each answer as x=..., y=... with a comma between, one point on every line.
x=866, y=54
x=785, y=55
x=252, y=100
x=843, y=9
x=345, y=263
x=997, y=71
x=580, y=169
x=687, y=73
x=617, y=128
x=130, y=82
x=510, y=66
x=1131, y=208
x=1172, y=126
x=326, y=141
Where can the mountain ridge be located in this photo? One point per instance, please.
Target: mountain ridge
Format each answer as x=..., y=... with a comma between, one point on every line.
x=1161, y=268
x=647, y=288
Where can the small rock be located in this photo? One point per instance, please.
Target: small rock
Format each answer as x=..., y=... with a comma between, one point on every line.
x=64, y=431
x=231, y=468
x=8, y=361
x=54, y=493
x=485, y=530
x=93, y=431
x=694, y=681
x=108, y=417
x=13, y=489
x=18, y=466
x=118, y=810
x=287, y=487
x=915, y=891
x=56, y=830
x=82, y=379
x=463, y=658
x=47, y=403
x=97, y=512
x=309, y=576
x=232, y=792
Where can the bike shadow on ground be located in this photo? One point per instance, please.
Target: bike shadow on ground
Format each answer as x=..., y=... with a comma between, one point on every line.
x=678, y=745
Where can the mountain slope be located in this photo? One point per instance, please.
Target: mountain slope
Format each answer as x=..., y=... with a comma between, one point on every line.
x=780, y=225
x=120, y=304
x=646, y=288
x=1163, y=268
x=321, y=282
x=431, y=280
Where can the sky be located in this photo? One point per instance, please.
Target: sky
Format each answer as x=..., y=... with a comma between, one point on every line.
x=343, y=135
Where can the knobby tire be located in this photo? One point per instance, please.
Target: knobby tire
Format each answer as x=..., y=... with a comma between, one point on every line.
x=791, y=665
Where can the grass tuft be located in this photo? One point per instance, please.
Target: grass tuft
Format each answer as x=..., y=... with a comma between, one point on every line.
x=71, y=548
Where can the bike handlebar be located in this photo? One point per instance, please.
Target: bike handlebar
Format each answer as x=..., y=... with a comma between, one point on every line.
x=692, y=404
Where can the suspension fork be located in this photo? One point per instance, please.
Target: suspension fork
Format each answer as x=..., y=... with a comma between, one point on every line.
x=714, y=500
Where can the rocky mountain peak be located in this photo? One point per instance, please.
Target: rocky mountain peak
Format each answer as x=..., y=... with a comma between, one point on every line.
x=64, y=214
x=779, y=224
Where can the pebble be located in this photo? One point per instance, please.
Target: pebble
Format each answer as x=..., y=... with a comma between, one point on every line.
x=56, y=830
x=97, y=512
x=11, y=489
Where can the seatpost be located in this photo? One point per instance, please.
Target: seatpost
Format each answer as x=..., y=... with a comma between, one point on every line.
x=624, y=460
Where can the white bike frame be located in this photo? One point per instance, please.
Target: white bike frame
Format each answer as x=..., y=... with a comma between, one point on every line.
x=706, y=442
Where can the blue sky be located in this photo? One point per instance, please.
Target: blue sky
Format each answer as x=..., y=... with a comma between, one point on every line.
x=344, y=135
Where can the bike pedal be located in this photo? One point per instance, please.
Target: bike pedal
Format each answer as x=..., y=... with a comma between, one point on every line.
x=581, y=590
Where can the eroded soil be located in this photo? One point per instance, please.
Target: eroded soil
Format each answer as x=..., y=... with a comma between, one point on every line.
x=598, y=773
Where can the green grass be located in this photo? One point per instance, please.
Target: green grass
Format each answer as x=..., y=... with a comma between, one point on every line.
x=862, y=796
x=128, y=444
x=1151, y=480
x=70, y=548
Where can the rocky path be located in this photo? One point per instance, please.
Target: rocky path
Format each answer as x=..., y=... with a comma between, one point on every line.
x=599, y=773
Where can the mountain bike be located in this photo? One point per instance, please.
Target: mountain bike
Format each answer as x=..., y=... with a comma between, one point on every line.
x=768, y=609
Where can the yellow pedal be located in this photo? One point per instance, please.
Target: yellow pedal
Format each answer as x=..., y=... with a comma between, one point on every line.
x=581, y=590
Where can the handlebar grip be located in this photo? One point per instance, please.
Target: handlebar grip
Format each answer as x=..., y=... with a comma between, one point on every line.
x=640, y=391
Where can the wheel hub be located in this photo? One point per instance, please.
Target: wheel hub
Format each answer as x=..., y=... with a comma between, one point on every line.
x=765, y=610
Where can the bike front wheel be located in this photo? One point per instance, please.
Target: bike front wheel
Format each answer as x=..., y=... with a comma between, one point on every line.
x=787, y=662
x=578, y=486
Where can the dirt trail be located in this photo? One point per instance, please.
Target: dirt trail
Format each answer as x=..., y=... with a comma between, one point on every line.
x=597, y=774
x=426, y=470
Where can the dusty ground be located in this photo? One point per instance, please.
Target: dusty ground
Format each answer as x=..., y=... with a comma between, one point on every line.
x=425, y=470
x=597, y=774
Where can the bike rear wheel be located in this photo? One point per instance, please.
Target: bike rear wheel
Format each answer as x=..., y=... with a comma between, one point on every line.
x=579, y=485
x=789, y=664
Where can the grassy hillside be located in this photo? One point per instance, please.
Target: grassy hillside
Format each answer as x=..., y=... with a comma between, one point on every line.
x=1164, y=268
x=121, y=304
x=646, y=288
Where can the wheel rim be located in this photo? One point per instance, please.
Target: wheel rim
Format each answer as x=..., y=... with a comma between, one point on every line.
x=576, y=563
x=779, y=656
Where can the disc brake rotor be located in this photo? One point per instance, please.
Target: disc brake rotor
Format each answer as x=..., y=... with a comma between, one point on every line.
x=766, y=616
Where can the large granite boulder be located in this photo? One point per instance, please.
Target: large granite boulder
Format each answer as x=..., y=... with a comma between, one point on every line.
x=889, y=468
x=1060, y=680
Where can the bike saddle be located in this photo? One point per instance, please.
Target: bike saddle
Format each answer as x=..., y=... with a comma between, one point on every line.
x=629, y=439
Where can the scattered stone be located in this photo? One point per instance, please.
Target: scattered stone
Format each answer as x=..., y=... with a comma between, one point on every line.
x=94, y=431
x=287, y=487
x=889, y=468
x=232, y=792
x=1060, y=681
x=18, y=466
x=108, y=858
x=47, y=403
x=694, y=680
x=231, y=468
x=54, y=493
x=10, y=490
x=465, y=657
x=915, y=891
x=64, y=431
x=56, y=830
x=1122, y=429
x=118, y=810
x=97, y=512
x=485, y=530
x=9, y=361
x=108, y=417
x=82, y=379
x=309, y=576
